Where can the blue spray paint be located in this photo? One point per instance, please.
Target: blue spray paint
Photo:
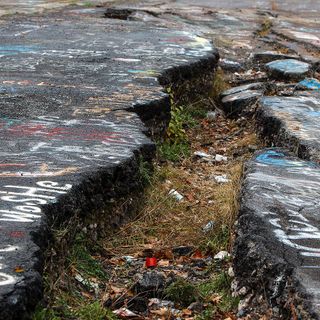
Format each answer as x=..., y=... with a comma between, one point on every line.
x=10, y=50
x=279, y=159
x=310, y=83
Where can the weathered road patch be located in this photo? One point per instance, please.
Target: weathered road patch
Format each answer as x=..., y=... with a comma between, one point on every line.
x=292, y=122
x=277, y=251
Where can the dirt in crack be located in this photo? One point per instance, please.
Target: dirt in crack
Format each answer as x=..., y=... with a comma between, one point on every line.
x=174, y=260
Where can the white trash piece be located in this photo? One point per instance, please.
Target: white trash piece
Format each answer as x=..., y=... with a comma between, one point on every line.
x=176, y=194
x=222, y=255
x=203, y=155
x=211, y=115
x=220, y=158
x=208, y=227
x=221, y=179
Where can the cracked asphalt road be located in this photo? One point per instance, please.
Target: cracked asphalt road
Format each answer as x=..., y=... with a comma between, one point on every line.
x=70, y=79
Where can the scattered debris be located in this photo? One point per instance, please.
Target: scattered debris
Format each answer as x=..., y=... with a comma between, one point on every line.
x=128, y=259
x=220, y=158
x=211, y=115
x=156, y=303
x=87, y=283
x=182, y=250
x=204, y=156
x=222, y=179
x=176, y=195
x=125, y=313
x=150, y=283
x=151, y=262
x=222, y=255
x=288, y=68
x=208, y=227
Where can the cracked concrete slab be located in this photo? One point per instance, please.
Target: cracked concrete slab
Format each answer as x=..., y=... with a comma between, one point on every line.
x=277, y=250
x=292, y=122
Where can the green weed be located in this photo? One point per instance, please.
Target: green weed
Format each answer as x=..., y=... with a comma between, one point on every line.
x=218, y=86
x=182, y=292
x=220, y=285
x=173, y=151
x=219, y=239
x=88, y=4
x=145, y=172
x=84, y=263
x=266, y=26
x=94, y=311
x=45, y=314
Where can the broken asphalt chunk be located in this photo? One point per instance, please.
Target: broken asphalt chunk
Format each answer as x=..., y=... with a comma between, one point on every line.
x=289, y=69
x=268, y=56
x=235, y=104
x=292, y=122
x=150, y=283
x=245, y=87
x=278, y=231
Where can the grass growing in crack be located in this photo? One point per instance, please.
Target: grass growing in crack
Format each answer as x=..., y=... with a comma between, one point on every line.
x=218, y=291
x=215, y=291
x=82, y=261
x=45, y=314
x=182, y=292
x=266, y=26
x=164, y=222
x=219, y=85
x=94, y=311
x=219, y=239
x=145, y=172
x=174, y=152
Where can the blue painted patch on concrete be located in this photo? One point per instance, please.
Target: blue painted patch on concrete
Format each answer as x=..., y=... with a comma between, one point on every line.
x=9, y=50
x=310, y=83
x=288, y=67
x=279, y=159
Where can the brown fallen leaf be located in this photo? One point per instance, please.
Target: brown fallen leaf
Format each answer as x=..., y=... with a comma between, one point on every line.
x=115, y=289
x=186, y=312
x=197, y=255
x=86, y=295
x=190, y=197
x=164, y=254
x=160, y=312
x=163, y=263
x=215, y=299
x=18, y=269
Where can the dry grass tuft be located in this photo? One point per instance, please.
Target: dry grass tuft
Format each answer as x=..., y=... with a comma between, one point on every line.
x=165, y=222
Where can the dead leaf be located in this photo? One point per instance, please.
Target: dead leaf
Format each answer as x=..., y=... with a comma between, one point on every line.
x=215, y=299
x=187, y=312
x=197, y=255
x=163, y=263
x=18, y=269
x=190, y=197
x=164, y=254
x=160, y=312
x=115, y=289
x=117, y=261
x=86, y=295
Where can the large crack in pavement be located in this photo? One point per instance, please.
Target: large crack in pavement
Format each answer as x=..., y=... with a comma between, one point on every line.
x=69, y=81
